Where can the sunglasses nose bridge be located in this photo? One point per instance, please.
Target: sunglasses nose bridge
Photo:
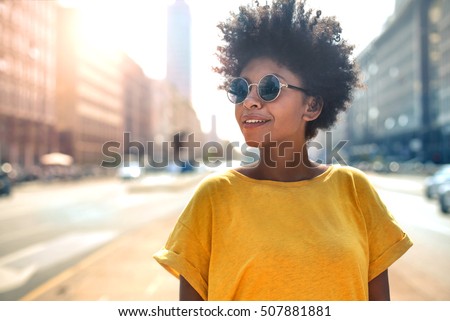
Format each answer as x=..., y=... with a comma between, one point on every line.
x=250, y=87
x=252, y=100
x=249, y=93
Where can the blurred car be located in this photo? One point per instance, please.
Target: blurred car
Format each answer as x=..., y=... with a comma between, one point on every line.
x=444, y=197
x=5, y=183
x=432, y=183
x=187, y=167
x=130, y=171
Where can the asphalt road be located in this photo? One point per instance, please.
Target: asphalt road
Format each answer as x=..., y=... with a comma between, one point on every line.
x=46, y=228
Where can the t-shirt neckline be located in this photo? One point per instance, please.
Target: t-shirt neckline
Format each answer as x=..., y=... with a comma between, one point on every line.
x=319, y=178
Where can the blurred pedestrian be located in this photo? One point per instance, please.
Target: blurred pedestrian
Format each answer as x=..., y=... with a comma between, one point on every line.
x=286, y=228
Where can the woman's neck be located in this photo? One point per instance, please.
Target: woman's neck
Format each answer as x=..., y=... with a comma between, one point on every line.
x=284, y=163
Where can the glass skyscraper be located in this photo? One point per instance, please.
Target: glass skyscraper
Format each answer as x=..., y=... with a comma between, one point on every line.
x=179, y=47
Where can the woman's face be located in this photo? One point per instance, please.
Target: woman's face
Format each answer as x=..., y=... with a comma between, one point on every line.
x=282, y=120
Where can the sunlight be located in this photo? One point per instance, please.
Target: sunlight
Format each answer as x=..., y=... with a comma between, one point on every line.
x=99, y=29
x=137, y=28
x=144, y=34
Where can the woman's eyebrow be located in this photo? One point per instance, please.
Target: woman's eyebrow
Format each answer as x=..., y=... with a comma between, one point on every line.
x=279, y=76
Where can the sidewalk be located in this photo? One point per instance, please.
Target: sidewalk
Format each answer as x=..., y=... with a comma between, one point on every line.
x=125, y=270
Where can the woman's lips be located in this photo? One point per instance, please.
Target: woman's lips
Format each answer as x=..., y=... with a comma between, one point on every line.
x=252, y=122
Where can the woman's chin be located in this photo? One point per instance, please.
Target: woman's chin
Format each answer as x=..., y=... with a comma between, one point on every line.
x=252, y=143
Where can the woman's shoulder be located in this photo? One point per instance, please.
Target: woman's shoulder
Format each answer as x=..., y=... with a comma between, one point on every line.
x=347, y=169
x=350, y=172
x=219, y=179
x=354, y=181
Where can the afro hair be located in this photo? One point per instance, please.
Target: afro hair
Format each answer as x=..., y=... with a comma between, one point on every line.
x=303, y=41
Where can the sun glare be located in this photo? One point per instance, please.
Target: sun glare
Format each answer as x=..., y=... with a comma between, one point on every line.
x=136, y=27
x=98, y=28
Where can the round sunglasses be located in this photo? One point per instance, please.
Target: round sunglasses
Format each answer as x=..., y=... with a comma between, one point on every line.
x=268, y=89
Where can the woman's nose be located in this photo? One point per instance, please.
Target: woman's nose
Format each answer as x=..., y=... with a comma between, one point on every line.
x=252, y=100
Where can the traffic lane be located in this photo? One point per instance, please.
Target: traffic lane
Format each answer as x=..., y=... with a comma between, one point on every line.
x=422, y=272
x=105, y=275
x=33, y=218
x=22, y=270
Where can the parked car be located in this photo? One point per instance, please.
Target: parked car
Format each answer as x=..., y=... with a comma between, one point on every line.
x=432, y=183
x=5, y=183
x=444, y=197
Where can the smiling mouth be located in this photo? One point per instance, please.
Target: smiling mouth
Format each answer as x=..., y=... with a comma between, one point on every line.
x=255, y=121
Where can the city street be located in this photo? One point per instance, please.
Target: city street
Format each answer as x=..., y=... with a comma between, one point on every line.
x=422, y=273
x=47, y=229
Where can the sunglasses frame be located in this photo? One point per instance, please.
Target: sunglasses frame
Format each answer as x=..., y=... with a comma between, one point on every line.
x=282, y=85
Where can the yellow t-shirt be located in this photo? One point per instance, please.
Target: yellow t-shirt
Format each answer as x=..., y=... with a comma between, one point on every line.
x=321, y=239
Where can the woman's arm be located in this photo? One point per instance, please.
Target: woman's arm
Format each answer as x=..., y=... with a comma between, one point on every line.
x=379, y=288
x=187, y=292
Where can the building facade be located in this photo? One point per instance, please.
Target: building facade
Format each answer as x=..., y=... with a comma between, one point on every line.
x=27, y=82
x=171, y=115
x=402, y=112
x=61, y=91
x=89, y=93
x=137, y=103
x=179, y=47
x=439, y=79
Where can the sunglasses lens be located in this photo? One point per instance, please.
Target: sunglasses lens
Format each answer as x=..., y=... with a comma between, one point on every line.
x=269, y=88
x=238, y=90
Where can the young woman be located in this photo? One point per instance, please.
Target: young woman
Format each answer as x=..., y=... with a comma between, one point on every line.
x=287, y=228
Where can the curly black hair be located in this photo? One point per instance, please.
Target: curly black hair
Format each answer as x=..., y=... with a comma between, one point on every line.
x=301, y=40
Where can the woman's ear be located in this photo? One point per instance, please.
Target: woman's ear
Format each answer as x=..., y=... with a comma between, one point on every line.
x=314, y=108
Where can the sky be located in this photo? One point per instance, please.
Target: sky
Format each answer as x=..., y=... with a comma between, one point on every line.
x=139, y=28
